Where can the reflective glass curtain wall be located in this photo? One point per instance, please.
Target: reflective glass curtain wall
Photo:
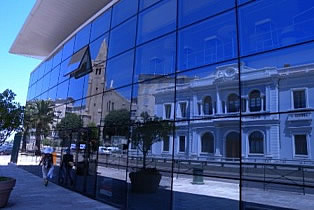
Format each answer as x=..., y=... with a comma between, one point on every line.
x=235, y=79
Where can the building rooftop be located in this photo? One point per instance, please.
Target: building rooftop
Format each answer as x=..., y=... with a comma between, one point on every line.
x=50, y=23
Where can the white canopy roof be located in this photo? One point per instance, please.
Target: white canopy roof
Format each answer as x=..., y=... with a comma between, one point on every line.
x=50, y=22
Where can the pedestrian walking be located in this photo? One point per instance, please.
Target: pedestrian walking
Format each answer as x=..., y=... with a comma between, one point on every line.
x=66, y=168
x=46, y=163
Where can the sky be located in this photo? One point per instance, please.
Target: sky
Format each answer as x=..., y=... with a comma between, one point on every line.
x=15, y=69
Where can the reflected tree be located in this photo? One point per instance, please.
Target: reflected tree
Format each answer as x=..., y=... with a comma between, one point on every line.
x=117, y=123
x=41, y=119
x=148, y=131
x=70, y=122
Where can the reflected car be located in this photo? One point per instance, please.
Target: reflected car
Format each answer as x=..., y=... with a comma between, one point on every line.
x=6, y=149
x=104, y=151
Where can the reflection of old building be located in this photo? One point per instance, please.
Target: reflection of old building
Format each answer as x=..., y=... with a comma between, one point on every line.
x=145, y=101
x=209, y=108
x=96, y=83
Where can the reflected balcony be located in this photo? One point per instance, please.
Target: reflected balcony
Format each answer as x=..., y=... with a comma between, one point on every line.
x=300, y=116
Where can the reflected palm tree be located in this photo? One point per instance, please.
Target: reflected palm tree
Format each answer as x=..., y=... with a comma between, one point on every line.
x=41, y=119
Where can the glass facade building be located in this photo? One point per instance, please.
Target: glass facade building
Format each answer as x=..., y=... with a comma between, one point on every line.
x=234, y=77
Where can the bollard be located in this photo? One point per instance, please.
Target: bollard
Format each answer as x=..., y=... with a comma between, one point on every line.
x=198, y=176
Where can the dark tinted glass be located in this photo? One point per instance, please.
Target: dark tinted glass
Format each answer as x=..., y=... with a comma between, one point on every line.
x=152, y=23
x=155, y=59
x=122, y=37
x=191, y=11
x=82, y=38
x=120, y=70
x=265, y=25
x=68, y=49
x=208, y=42
x=100, y=25
x=123, y=10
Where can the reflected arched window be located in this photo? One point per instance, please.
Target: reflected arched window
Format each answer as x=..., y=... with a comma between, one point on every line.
x=207, y=142
x=255, y=101
x=207, y=105
x=256, y=142
x=233, y=103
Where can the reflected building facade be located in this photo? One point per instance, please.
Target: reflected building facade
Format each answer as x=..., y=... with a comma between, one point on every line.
x=235, y=78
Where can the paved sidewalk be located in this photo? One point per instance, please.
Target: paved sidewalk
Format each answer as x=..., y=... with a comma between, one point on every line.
x=30, y=193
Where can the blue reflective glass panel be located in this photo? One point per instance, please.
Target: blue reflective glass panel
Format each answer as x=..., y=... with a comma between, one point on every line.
x=57, y=58
x=62, y=90
x=41, y=70
x=48, y=66
x=63, y=70
x=38, y=87
x=119, y=70
x=68, y=48
x=52, y=93
x=122, y=37
x=146, y=3
x=82, y=38
x=123, y=10
x=76, y=88
x=44, y=96
x=208, y=42
x=156, y=58
x=100, y=25
x=191, y=11
x=54, y=78
x=243, y=1
x=152, y=24
x=45, y=84
x=293, y=69
x=267, y=24
x=32, y=78
x=99, y=49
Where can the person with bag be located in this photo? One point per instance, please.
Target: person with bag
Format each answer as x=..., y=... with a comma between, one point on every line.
x=46, y=163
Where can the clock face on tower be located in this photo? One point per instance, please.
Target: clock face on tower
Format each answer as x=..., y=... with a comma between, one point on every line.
x=230, y=72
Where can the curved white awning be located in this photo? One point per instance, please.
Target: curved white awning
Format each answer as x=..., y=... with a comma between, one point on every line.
x=50, y=22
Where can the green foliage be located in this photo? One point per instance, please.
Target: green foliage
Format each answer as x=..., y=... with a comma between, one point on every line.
x=46, y=142
x=117, y=123
x=91, y=137
x=65, y=127
x=11, y=115
x=149, y=131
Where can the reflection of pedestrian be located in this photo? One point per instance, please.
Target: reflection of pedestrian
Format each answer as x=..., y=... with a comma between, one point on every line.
x=66, y=167
x=47, y=165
